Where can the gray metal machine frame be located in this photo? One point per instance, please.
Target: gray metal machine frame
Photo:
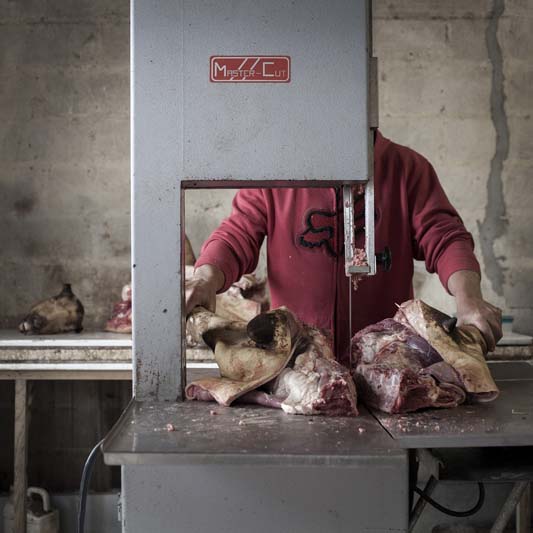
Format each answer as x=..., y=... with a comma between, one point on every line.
x=188, y=132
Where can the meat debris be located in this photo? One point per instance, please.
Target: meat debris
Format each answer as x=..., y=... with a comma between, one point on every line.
x=359, y=259
x=59, y=314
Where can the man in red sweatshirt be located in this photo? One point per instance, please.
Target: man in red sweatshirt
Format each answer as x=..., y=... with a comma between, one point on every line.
x=305, y=248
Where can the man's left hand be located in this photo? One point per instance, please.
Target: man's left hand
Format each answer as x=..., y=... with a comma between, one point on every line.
x=472, y=309
x=485, y=316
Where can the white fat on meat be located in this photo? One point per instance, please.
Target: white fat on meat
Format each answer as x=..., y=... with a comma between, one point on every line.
x=299, y=390
x=316, y=385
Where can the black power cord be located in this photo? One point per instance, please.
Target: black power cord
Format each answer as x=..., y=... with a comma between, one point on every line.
x=451, y=512
x=84, y=485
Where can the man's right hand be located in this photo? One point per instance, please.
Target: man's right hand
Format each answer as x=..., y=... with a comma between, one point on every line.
x=202, y=288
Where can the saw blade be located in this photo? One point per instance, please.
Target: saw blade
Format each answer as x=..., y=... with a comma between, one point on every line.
x=350, y=332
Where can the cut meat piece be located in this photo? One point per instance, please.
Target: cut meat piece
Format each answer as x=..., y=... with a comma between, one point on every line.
x=314, y=383
x=244, y=300
x=410, y=362
x=396, y=381
x=464, y=348
x=59, y=314
x=120, y=321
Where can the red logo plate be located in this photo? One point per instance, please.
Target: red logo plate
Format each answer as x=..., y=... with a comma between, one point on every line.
x=250, y=69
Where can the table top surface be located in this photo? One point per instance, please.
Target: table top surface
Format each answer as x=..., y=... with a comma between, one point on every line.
x=10, y=338
x=506, y=421
x=204, y=432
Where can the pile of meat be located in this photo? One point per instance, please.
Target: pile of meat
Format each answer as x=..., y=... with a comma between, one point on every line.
x=414, y=361
x=275, y=361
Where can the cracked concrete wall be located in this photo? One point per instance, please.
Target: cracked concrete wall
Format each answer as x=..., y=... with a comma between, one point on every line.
x=451, y=73
x=455, y=84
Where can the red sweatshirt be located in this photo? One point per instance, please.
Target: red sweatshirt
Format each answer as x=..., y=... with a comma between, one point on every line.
x=305, y=244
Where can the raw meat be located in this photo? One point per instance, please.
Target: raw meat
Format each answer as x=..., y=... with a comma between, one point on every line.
x=120, y=321
x=464, y=348
x=309, y=381
x=244, y=300
x=59, y=314
x=315, y=385
x=411, y=362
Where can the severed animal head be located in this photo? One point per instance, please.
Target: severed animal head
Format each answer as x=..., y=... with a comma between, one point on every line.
x=59, y=314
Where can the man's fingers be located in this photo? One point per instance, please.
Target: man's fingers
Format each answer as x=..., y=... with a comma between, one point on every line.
x=497, y=310
x=486, y=331
x=210, y=304
x=496, y=327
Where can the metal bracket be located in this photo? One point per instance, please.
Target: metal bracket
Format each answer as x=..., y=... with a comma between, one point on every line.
x=349, y=236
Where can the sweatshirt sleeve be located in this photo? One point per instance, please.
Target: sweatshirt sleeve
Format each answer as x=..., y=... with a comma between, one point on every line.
x=439, y=235
x=234, y=246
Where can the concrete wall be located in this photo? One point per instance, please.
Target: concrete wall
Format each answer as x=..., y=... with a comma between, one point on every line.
x=455, y=84
x=64, y=152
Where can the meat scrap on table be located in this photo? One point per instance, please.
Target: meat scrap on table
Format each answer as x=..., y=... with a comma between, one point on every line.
x=412, y=362
x=274, y=361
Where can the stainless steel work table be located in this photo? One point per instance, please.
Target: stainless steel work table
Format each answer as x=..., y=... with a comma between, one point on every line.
x=242, y=462
x=208, y=434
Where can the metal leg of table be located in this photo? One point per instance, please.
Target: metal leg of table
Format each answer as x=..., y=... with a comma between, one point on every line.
x=21, y=454
x=509, y=507
x=523, y=512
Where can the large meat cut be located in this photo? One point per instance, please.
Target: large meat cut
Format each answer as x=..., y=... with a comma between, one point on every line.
x=275, y=361
x=411, y=362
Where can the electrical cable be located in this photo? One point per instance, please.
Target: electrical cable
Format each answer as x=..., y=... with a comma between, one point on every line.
x=451, y=512
x=84, y=485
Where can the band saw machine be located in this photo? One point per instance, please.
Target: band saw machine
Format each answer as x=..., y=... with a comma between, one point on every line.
x=243, y=93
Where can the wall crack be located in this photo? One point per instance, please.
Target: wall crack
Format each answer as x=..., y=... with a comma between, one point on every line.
x=494, y=225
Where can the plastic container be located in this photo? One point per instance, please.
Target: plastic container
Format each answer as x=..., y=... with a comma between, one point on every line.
x=40, y=517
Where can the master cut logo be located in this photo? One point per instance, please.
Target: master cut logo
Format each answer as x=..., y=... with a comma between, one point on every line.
x=250, y=69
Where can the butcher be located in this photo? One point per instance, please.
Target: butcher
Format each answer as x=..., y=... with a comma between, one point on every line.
x=305, y=250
